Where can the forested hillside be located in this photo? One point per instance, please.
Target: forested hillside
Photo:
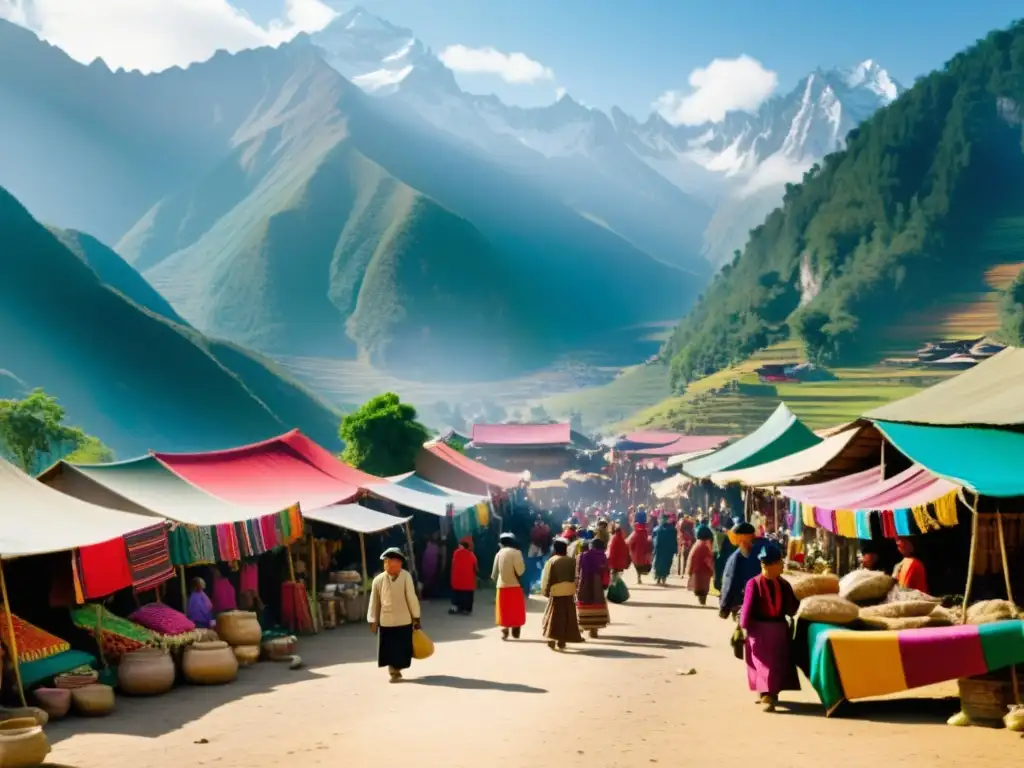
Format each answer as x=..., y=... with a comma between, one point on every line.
x=890, y=224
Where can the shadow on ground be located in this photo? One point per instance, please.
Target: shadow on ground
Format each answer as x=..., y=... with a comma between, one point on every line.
x=684, y=606
x=349, y=643
x=908, y=711
x=662, y=643
x=473, y=684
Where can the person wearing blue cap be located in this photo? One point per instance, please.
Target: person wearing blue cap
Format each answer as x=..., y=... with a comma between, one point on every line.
x=768, y=600
x=740, y=568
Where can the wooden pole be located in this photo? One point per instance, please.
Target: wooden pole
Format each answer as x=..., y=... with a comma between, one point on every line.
x=312, y=582
x=1009, y=596
x=291, y=563
x=99, y=634
x=10, y=633
x=184, y=588
x=970, y=560
x=412, y=554
x=362, y=550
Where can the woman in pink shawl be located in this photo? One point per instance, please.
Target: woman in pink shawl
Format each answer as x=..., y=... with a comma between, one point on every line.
x=224, y=598
x=641, y=549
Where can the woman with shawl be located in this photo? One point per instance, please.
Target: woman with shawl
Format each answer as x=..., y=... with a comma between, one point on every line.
x=393, y=614
x=640, y=548
x=665, y=547
x=558, y=585
x=686, y=540
x=700, y=565
x=592, y=577
x=510, y=606
x=767, y=600
x=910, y=572
x=618, y=550
x=463, y=578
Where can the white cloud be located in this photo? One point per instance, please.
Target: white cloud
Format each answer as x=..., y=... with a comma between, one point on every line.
x=559, y=93
x=722, y=86
x=516, y=68
x=151, y=35
x=774, y=172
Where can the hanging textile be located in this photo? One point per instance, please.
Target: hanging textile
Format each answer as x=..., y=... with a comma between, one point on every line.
x=103, y=569
x=904, y=525
x=846, y=524
x=148, y=557
x=201, y=540
x=796, y=519
x=227, y=543
x=807, y=512
x=823, y=519
x=180, y=546
x=268, y=527
x=242, y=537
x=862, y=519
x=483, y=514
x=923, y=519
x=945, y=509
x=888, y=524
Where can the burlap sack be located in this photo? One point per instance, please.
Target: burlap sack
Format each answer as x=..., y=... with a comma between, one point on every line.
x=901, y=610
x=987, y=611
x=809, y=584
x=909, y=622
x=899, y=594
x=863, y=586
x=828, y=609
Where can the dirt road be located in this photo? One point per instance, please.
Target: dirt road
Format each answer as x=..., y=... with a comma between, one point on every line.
x=619, y=701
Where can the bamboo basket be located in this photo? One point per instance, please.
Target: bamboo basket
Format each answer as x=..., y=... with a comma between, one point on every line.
x=987, y=698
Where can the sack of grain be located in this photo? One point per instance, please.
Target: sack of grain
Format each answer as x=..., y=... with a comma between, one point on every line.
x=864, y=586
x=987, y=611
x=898, y=594
x=809, y=584
x=828, y=609
x=942, y=617
x=901, y=610
x=908, y=622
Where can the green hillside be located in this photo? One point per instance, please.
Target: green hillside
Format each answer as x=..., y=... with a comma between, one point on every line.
x=132, y=378
x=916, y=210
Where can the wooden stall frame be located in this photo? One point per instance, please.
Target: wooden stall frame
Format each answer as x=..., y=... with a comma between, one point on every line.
x=14, y=640
x=1009, y=596
x=362, y=551
x=970, y=560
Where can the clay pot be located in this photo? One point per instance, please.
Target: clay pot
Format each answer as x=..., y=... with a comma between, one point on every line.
x=211, y=663
x=55, y=702
x=246, y=654
x=39, y=715
x=279, y=647
x=146, y=672
x=95, y=700
x=22, y=743
x=239, y=628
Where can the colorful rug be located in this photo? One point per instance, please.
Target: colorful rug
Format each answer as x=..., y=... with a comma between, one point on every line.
x=120, y=636
x=34, y=672
x=148, y=557
x=845, y=664
x=33, y=643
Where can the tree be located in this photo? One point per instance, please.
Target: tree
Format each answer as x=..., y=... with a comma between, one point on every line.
x=539, y=414
x=33, y=434
x=383, y=436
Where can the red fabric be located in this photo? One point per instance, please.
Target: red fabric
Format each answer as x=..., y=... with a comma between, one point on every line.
x=911, y=574
x=445, y=466
x=295, y=613
x=888, y=519
x=522, y=434
x=463, y=570
x=276, y=473
x=700, y=567
x=618, y=552
x=510, y=607
x=640, y=546
x=103, y=568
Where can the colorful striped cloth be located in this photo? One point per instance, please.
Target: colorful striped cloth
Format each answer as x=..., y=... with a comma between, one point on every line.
x=33, y=643
x=848, y=664
x=149, y=557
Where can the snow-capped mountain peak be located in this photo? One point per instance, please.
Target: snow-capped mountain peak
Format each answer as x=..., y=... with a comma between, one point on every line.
x=872, y=77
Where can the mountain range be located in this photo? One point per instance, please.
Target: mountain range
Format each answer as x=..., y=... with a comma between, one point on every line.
x=722, y=178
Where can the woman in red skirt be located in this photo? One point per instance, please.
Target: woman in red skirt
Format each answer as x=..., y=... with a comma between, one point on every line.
x=510, y=606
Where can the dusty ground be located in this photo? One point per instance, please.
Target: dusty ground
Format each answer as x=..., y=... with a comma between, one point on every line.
x=618, y=701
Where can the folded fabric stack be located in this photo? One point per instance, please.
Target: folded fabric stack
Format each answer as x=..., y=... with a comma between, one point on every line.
x=120, y=636
x=172, y=628
x=33, y=643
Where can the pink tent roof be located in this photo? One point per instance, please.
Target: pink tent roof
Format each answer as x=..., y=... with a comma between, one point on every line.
x=522, y=434
x=683, y=444
x=867, y=491
x=441, y=464
x=274, y=473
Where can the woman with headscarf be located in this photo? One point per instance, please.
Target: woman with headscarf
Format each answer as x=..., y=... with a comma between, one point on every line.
x=767, y=600
x=618, y=550
x=510, y=605
x=742, y=566
x=558, y=585
x=700, y=565
x=640, y=549
x=665, y=547
x=592, y=577
x=393, y=613
x=200, y=607
x=910, y=572
x=463, y=579
x=686, y=540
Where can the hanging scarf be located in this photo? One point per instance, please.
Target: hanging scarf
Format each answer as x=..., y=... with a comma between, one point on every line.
x=945, y=509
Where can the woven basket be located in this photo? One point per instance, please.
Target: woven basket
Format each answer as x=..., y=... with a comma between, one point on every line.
x=987, y=698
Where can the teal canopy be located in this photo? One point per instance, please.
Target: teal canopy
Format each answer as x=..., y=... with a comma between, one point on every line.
x=987, y=461
x=781, y=435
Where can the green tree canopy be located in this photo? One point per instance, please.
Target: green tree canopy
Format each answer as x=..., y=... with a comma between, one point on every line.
x=383, y=436
x=33, y=434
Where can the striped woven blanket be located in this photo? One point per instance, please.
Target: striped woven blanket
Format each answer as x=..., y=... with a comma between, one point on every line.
x=149, y=557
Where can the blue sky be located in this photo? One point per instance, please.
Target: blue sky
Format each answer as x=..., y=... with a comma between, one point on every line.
x=627, y=53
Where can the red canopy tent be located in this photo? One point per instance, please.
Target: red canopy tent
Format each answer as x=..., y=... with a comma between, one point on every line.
x=275, y=472
x=445, y=466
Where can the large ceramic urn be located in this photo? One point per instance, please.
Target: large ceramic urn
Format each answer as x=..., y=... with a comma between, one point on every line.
x=239, y=628
x=146, y=672
x=210, y=663
x=95, y=700
x=22, y=743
